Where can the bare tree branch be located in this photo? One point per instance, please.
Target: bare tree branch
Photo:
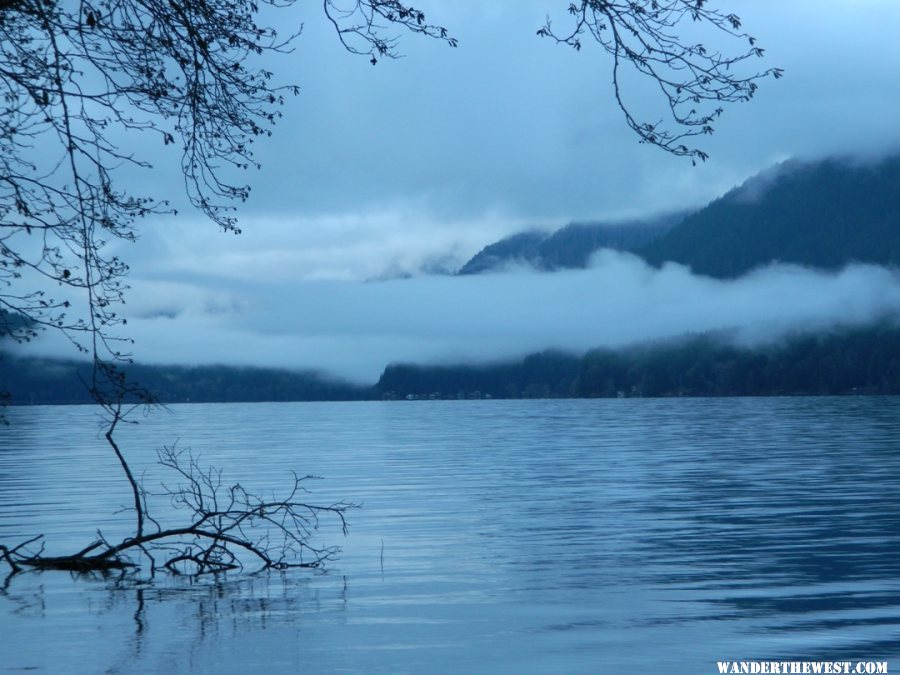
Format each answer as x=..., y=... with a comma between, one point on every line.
x=226, y=524
x=693, y=81
x=361, y=26
x=75, y=75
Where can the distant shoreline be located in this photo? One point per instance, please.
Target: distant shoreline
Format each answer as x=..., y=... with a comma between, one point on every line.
x=848, y=362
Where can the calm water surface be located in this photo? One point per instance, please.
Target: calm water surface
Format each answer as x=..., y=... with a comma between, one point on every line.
x=495, y=536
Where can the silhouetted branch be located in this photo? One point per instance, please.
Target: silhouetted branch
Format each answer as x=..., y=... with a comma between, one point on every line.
x=224, y=523
x=361, y=25
x=693, y=81
x=76, y=76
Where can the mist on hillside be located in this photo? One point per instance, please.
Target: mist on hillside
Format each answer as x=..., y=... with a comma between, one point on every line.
x=354, y=329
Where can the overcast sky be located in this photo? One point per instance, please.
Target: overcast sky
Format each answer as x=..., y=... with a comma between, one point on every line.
x=425, y=159
x=444, y=150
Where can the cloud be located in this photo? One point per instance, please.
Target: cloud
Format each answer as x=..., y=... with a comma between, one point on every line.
x=512, y=122
x=339, y=246
x=426, y=159
x=354, y=329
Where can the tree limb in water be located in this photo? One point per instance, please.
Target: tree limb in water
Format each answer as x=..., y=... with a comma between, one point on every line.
x=227, y=526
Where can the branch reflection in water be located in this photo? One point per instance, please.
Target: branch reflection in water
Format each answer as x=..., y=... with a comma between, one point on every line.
x=133, y=627
x=525, y=536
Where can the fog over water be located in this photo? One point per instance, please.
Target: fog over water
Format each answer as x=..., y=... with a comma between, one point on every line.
x=355, y=328
x=416, y=164
x=527, y=537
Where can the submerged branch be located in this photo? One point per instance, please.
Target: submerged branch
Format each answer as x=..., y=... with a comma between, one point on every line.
x=225, y=523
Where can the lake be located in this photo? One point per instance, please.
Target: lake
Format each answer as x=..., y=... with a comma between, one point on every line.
x=549, y=536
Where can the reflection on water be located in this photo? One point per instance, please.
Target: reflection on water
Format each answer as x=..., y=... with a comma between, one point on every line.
x=496, y=536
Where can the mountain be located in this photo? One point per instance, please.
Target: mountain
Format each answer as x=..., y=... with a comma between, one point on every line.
x=31, y=380
x=548, y=374
x=569, y=247
x=848, y=360
x=13, y=324
x=860, y=360
x=823, y=214
x=519, y=248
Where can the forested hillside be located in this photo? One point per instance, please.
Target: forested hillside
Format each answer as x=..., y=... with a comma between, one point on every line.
x=49, y=381
x=846, y=361
x=825, y=215
x=570, y=247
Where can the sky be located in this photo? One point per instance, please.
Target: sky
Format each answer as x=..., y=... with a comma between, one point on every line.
x=417, y=163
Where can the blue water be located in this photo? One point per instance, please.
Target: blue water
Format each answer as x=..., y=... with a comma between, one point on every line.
x=494, y=536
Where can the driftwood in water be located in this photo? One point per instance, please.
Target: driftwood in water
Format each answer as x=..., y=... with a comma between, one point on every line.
x=224, y=522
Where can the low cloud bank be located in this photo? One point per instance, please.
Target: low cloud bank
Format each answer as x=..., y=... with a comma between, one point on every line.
x=354, y=329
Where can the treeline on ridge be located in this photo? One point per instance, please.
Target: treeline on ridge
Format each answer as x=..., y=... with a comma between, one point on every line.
x=822, y=214
x=49, y=381
x=848, y=361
